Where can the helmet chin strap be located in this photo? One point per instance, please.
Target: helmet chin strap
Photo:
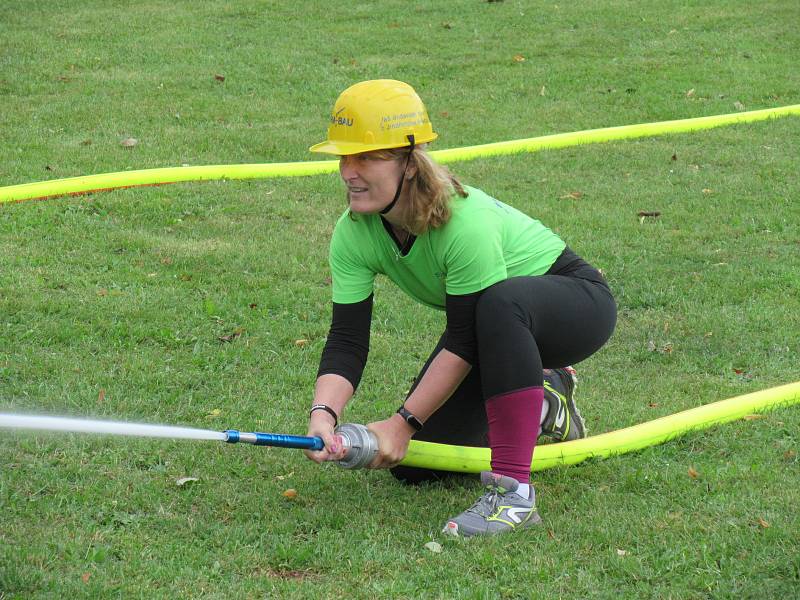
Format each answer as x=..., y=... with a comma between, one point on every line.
x=402, y=178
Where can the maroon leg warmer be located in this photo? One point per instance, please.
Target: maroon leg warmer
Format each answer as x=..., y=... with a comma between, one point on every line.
x=513, y=426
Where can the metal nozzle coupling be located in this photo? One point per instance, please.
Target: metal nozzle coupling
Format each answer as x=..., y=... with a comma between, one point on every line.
x=361, y=444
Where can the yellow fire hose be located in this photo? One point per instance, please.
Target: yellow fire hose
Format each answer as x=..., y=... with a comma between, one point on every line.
x=473, y=460
x=111, y=181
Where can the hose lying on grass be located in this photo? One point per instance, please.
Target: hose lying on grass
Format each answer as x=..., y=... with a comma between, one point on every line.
x=111, y=181
x=473, y=460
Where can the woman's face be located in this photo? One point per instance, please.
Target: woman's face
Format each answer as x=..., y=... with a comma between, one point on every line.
x=371, y=181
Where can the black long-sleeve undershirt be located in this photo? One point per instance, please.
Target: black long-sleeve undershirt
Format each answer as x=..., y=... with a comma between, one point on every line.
x=347, y=347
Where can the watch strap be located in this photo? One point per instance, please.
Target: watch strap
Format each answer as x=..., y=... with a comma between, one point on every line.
x=409, y=418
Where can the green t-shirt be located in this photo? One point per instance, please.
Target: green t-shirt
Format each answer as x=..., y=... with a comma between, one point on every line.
x=485, y=241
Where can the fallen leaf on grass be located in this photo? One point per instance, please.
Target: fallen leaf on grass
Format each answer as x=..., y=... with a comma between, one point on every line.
x=572, y=196
x=434, y=547
x=252, y=305
x=789, y=455
x=85, y=577
x=102, y=292
x=519, y=58
x=665, y=348
x=129, y=142
x=752, y=417
x=282, y=477
x=708, y=191
x=621, y=552
x=543, y=91
x=214, y=413
x=101, y=395
x=690, y=93
x=693, y=473
x=738, y=105
x=219, y=77
x=231, y=336
x=300, y=343
x=763, y=523
x=290, y=494
x=647, y=214
x=184, y=480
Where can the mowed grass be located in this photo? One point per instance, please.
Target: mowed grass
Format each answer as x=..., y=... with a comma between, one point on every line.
x=116, y=305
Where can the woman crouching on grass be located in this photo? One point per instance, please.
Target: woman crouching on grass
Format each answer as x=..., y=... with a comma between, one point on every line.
x=520, y=307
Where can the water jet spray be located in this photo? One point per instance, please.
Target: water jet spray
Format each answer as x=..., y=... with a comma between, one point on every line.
x=360, y=444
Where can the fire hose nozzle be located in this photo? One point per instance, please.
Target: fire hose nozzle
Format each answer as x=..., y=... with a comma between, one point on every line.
x=360, y=443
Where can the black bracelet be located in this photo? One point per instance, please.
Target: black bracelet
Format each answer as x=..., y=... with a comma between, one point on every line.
x=409, y=418
x=328, y=410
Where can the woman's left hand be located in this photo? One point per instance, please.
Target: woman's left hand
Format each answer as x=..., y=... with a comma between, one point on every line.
x=393, y=435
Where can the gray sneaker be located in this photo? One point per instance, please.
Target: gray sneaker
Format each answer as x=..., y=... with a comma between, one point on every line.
x=563, y=422
x=499, y=510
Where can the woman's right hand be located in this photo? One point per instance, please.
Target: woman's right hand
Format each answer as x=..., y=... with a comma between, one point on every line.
x=321, y=425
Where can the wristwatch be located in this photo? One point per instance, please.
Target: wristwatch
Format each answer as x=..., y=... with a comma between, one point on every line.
x=409, y=418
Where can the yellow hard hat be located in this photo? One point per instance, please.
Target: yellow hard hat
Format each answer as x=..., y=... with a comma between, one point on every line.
x=376, y=115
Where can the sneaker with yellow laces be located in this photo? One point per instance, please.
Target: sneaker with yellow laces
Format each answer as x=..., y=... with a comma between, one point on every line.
x=499, y=510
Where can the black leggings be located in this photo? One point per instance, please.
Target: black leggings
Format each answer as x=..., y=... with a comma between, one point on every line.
x=523, y=325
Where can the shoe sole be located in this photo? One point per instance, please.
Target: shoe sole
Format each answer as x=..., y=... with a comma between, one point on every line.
x=451, y=528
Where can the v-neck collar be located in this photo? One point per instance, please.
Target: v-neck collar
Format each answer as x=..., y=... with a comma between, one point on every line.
x=402, y=248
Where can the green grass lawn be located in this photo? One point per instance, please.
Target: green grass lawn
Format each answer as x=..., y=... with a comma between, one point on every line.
x=113, y=305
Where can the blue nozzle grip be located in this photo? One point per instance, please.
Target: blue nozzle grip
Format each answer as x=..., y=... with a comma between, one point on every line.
x=289, y=441
x=304, y=442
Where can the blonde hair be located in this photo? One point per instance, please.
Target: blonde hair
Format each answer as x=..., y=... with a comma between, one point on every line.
x=428, y=191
